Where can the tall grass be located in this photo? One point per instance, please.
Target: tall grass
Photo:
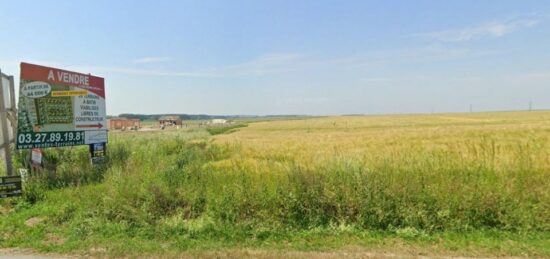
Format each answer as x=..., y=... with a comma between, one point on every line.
x=146, y=181
x=168, y=184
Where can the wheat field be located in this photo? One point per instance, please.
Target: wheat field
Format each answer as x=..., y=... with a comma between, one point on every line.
x=439, y=171
x=367, y=138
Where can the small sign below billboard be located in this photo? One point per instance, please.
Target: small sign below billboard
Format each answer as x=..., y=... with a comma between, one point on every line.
x=36, y=156
x=10, y=186
x=97, y=152
x=59, y=108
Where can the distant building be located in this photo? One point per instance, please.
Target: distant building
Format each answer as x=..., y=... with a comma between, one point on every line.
x=218, y=121
x=124, y=123
x=170, y=120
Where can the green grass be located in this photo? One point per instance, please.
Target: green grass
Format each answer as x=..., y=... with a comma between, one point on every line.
x=217, y=130
x=178, y=191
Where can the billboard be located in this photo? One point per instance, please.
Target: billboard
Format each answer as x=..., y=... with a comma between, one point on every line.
x=6, y=95
x=59, y=108
x=7, y=121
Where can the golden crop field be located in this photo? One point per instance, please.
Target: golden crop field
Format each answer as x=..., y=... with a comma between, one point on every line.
x=444, y=171
x=484, y=137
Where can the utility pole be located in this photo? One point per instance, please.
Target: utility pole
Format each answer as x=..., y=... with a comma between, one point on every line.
x=471, y=108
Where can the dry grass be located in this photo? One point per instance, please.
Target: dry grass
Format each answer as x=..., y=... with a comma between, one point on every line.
x=476, y=184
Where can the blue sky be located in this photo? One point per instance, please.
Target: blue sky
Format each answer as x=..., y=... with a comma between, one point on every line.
x=291, y=57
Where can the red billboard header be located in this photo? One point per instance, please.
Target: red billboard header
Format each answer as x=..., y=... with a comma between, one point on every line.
x=57, y=76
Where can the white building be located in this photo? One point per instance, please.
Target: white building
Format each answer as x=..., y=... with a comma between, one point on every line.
x=218, y=121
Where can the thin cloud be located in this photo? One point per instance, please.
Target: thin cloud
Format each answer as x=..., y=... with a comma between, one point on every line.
x=261, y=66
x=495, y=29
x=264, y=65
x=142, y=72
x=147, y=60
x=429, y=54
x=275, y=64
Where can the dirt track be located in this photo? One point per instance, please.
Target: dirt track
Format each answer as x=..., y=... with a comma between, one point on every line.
x=27, y=254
